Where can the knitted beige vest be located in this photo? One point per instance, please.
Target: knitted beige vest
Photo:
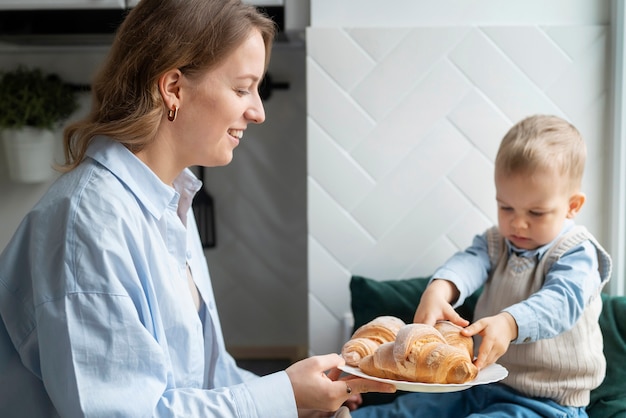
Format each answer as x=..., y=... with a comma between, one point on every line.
x=564, y=368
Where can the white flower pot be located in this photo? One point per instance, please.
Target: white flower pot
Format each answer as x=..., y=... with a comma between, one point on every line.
x=29, y=153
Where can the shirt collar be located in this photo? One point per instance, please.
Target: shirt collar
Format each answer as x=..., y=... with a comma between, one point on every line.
x=187, y=185
x=539, y=252
x=155, y=195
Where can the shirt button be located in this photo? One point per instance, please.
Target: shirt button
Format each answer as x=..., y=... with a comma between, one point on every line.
x=188, y=254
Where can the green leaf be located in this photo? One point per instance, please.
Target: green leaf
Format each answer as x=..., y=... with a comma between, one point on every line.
x=28, y=97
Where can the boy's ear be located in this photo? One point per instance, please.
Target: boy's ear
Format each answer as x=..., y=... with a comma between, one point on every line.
x=576, y=201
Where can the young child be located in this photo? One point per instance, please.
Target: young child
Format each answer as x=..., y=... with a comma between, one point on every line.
x=542, y=275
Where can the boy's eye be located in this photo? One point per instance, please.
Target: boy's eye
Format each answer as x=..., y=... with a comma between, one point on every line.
x=534, y=213
x=505, y=208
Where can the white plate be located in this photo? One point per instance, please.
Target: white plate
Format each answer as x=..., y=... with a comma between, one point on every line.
x=489, y=374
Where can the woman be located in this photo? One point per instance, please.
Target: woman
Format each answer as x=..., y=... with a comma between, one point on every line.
x=105, y=295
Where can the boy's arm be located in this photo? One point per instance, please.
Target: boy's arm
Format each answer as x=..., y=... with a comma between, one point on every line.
x=569, y=285
x=555, y=308
x=467, y=270
x=458, y=278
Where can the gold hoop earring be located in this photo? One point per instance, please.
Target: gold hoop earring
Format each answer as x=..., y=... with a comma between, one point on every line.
x=171, y=114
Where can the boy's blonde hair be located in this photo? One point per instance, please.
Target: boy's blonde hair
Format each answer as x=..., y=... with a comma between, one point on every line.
x=542, y=142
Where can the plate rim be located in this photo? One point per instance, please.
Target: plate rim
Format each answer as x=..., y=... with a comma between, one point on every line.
x=406, y=385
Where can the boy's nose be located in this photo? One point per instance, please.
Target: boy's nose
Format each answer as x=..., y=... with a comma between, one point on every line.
x=518, y=222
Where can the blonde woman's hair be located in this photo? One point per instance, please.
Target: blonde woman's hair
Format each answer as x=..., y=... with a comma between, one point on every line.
x=543, y=142
x=155, y=37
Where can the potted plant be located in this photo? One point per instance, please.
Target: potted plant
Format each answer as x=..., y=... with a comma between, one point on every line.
x=32, y=106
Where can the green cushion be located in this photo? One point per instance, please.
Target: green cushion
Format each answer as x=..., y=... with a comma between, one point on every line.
x=609, y=399
x=371, y=298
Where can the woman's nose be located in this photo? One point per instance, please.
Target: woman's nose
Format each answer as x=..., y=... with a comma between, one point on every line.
x=256, y=112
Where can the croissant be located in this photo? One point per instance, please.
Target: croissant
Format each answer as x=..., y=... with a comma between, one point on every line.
x=420, y=353
x=453, y=336
x=368, y=337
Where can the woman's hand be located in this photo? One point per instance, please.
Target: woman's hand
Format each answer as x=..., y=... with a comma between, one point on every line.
x=316, y=384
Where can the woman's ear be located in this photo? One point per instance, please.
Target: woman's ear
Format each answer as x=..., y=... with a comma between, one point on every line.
x=576, y=202
x=169, y=87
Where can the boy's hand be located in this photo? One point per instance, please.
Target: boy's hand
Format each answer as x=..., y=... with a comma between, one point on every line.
x=497, y=332
x=435, y=304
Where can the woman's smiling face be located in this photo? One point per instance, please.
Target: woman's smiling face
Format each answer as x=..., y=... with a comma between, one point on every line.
x=215, y=108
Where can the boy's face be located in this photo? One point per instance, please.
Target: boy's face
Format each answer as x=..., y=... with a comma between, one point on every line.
x=533, y=208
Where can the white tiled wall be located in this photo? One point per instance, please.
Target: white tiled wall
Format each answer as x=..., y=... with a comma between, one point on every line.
x=406, y=108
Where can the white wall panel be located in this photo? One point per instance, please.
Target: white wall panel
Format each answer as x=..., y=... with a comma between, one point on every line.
x=410, y=13
x=443, y=83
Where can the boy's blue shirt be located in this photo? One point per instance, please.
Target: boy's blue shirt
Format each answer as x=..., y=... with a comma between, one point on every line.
x=569, y=284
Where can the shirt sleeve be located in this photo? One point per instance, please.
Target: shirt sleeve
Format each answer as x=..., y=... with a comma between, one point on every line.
x=467, y=269
x=569, y=285
x=100, y=361
x=100, y=312
x=109, y=347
